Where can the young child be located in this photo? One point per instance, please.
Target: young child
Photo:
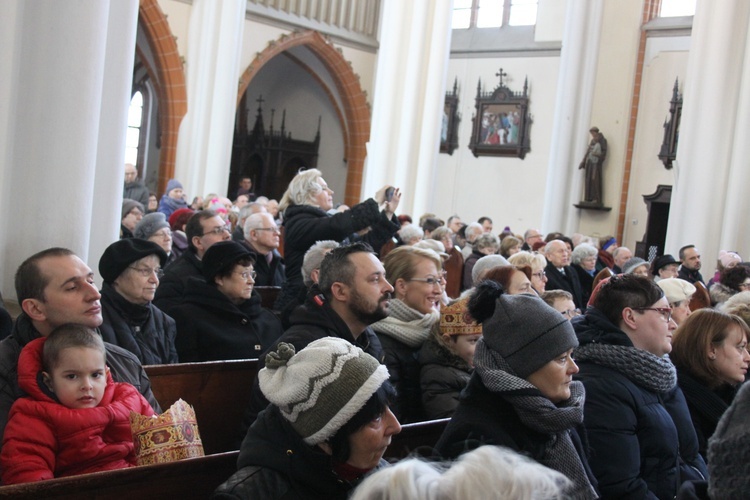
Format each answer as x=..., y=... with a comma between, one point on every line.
x=447, y=359
x=76, y=418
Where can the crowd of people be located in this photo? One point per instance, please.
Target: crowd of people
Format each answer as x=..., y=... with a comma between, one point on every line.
x=588, y=361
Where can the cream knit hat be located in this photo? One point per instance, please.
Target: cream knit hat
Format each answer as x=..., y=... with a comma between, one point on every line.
x=322, y=387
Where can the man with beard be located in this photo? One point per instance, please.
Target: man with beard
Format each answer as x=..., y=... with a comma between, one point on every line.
x=352, y=293
x=690, y=264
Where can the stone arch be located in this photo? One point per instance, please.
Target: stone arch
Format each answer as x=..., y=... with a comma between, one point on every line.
x=171, y=90
x=356, y=110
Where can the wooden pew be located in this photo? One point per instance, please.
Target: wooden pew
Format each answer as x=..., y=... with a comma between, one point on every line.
x=218, y=390
x=186, y=479
x=414, y=436
x=454, y=266
x=268, y=295
x=701, y=298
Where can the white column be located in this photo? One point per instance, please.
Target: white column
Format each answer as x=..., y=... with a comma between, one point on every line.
x=204, y=145
x=51, y=115
x=408, y=102
x=575, y=93
x=710, y=205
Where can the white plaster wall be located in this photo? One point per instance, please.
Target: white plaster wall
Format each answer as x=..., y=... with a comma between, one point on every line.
x=611, y=106
x=508, y=190
x=666, y=59
x=178, y=18
x=550, y=20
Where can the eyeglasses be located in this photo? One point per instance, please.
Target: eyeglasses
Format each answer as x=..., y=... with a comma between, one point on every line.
x=217, y=231
x=136, y=212
x=744, y=285
x=274, y=229
x=146, y=272
x=571, y=313
x=541, y=275
x=162, y=234
x=666, y=312
x=246, y=274
x=429, y=280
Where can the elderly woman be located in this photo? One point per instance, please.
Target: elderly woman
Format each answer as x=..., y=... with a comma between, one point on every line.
x=733, y=281
x=221, y=317
x=131, y=269
x=486, y=244
x=154, y=227
x=522, y=394
x=637, y=266
x=710, y=352
x=305, y=205
x=413, y=313
x=172, y=199
x=678, y=293
x=583, y=261
x=326, y=428
x=537, y=262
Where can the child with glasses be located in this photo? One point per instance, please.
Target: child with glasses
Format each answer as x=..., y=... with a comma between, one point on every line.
x=75, y=419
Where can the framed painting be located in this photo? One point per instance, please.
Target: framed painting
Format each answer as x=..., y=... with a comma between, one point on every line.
x=451, y=119
x=501, y=121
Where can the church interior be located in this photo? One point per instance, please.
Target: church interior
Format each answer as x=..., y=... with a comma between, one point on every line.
x=380, y=92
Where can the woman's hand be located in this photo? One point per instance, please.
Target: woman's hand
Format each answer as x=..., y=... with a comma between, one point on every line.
x=390, y=206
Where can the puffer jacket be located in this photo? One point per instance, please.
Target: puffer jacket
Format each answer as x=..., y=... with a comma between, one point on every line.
x=305, y=224
x=643, y=442
x=210, y=327
x=143, y=330
x=123, y=364
x=442, y=377
x=275, y=462
x=44, y=439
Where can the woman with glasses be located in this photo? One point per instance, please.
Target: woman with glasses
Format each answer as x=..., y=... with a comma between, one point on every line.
x=583, y=261
x=733, y=281
x=131, y=269
x=513, y=279
x=221, y=318
x=537, y=262
x=412, y=315
x=710, y=352
x=154, y=227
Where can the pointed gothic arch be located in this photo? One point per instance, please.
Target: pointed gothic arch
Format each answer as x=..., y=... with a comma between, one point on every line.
x=171, y=91
x=356, y=110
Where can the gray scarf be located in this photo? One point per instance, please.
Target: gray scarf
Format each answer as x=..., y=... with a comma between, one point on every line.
x=406, y=325
x=541, y=415
x=641, y=367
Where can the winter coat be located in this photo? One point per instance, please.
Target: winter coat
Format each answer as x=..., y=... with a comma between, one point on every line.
x=124, y=367
x=688, y=275
x=305, y=224
x=141, y=329
x=586, y=281
x=275, y=462
x=720, y=293
x=643, y=442
x=706, y=406
x=469, y=264
x=172, y=284
x=136, y=191
x=403, y=368
x=168, y=205
x=273, y=274
x=484, y=417
x=442, y=377
x=210, y=327
x=569, y=283
x=44, y=439
x=313, y=320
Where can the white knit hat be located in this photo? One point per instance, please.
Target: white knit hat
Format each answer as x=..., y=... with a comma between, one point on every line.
x=322, y=387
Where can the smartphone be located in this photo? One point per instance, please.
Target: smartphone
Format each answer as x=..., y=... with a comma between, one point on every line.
x=389, y=193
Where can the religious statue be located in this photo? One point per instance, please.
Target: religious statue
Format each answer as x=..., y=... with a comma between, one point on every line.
x=592, y=163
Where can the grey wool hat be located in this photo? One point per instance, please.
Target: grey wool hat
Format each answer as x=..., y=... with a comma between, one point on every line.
x=320, y=388
x=527, y=333
x=729, y=451
x=128, y=205
x=150, y=224
x=632, y=264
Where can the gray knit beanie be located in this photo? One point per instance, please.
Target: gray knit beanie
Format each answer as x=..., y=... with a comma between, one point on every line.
x=128, y=205
x=632, y=264
x=527, y=333
x=729, y=451
x=150, y=224
x=322, y=387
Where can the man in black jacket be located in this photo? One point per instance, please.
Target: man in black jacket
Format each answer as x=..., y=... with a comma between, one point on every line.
x=203, y=229
x=560, y=276
x=690, y=264
x=55, y=287
x=262, y=238
x=352, y=293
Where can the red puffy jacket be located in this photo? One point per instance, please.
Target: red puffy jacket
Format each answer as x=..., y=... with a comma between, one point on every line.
x=44, y=439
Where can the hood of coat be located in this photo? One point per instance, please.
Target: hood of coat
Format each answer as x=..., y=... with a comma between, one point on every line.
x=594, y=327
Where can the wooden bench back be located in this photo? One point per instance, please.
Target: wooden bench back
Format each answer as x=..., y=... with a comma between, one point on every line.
x=701, y=298
x=218, y=390
x=268, y=295
x=454, y=266
x=191, y=478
